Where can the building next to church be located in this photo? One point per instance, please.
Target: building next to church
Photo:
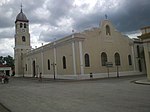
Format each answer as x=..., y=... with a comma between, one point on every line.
x=4, y=69
x=95, y=51
x=146, y=42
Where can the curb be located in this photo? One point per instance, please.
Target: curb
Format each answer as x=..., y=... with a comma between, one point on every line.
x=143, y=82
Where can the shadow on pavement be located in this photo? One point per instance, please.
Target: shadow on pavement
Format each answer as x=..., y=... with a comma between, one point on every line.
x=3, y=108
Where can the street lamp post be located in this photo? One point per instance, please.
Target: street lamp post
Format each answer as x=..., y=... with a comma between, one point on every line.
x=37, y=69
x=53, y=64
x=117, y=71
x=23, y=70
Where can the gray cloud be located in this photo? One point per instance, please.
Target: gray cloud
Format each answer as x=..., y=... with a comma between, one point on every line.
x=127, y=16
x=53, y=35
x=4, y=33
x=5, y=52
x=86, y=21
x=59, y=9
x=132, y=16
x=6, y=18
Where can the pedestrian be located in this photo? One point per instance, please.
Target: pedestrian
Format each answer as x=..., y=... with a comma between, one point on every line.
x=40, y=77
x=6, y=79
x=3, y=78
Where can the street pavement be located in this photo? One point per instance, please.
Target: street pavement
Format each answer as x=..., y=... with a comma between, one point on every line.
x=98, y=95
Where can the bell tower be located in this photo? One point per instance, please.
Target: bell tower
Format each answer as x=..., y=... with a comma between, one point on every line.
x=22, y=42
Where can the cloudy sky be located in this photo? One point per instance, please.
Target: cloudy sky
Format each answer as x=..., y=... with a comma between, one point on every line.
x=53, y=19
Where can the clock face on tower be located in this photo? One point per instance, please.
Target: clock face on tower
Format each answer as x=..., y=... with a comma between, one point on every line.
x=23, y=30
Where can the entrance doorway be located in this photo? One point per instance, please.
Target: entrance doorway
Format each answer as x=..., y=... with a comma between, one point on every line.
x=7, y=72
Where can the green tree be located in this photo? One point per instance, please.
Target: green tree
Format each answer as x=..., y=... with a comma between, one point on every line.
x=9, y=61
x=1, y=60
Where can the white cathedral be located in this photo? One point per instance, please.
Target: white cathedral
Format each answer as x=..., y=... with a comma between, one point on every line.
x=97, y=52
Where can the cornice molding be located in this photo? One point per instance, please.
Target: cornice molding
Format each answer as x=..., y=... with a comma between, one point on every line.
x=144, y=36
x=55, y=44
x=22, y=47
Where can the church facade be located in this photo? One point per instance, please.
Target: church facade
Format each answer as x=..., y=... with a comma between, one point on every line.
x=100, y=51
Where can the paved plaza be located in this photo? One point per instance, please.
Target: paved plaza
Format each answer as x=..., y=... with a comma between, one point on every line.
x=100, y=95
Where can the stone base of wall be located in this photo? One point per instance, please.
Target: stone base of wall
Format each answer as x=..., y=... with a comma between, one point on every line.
x=90, y=76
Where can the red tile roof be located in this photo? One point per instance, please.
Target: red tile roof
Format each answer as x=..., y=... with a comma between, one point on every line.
x=4, y=65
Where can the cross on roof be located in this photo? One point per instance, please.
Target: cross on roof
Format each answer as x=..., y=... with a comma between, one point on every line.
x=106, y=16
x=21, y=7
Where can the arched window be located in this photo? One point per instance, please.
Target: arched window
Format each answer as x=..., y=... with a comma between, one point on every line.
x=107, y=30
x=48, y=63
x=129, y=59
x=117, y=59
x=20, y=25
x=23, y=38
x=138, y=51
x=103, y=58
x=64, y=62
x=25, y=25
x=87, y=60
